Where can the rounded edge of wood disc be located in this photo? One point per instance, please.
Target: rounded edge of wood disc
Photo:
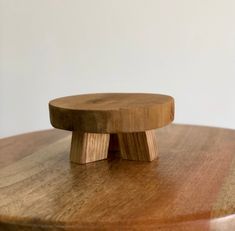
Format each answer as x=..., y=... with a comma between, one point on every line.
x=101, y=115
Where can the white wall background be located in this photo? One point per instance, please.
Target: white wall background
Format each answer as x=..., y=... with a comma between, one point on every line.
x=52, y=48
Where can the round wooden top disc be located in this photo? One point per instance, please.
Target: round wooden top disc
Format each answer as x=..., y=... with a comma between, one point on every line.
x=191, y=186
x=112, y=112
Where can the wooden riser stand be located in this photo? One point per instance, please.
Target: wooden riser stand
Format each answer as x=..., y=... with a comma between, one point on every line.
x=101, y=122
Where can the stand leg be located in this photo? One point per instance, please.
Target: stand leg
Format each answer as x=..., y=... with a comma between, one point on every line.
x=114, y=150
x=138, y=145
x=88, y=147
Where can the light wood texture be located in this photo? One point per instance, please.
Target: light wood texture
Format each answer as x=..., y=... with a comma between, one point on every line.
x=138, y=145
x=88, y=147
x=112, y=112
x=190, y=187
x=122, y=113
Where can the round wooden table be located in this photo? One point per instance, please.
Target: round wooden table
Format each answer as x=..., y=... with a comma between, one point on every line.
x=190, y=187
x=97, y=120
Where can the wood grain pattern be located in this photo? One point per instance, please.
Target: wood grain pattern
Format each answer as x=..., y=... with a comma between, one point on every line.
x=190, y=187
x=105, y=113
x=112, y=112
x=138, y=145
x=88, y=147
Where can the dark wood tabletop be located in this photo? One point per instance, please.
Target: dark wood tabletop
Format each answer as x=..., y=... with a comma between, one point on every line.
x=190, y=187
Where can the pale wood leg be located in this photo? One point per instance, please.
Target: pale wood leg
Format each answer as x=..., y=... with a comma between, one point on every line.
x=138, y=145
x=88, y=147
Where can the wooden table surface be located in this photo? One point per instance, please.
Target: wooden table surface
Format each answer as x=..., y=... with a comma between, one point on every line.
x=191, y=186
